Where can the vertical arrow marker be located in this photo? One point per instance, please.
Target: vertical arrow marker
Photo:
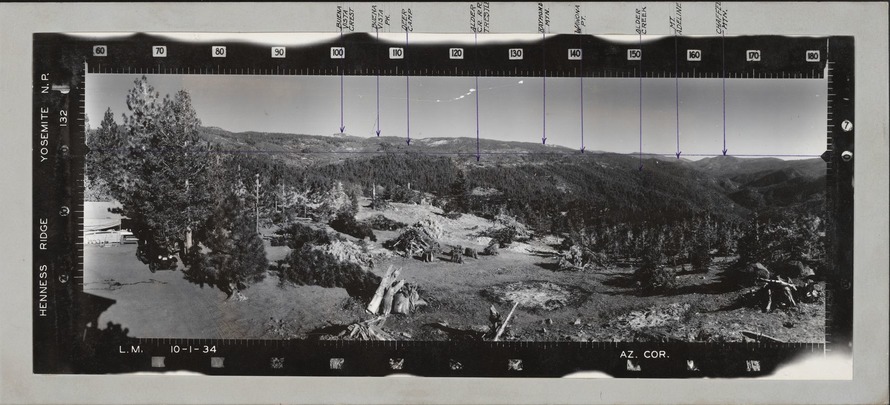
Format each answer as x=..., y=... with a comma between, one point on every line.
x=342, y=67
x=677, y=90
x=641, y=101
x=378, y=80
x=476, y=68
x=581, y=86
x=342, y=126
x=544, y=87
x=407, y=94
x=723, y=40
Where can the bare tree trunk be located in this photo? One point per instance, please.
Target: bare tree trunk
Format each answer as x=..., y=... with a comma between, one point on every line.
x=506, y=320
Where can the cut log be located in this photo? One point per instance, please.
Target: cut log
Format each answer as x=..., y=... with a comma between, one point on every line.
x=385, y=282
x=760, y=337
x=413, y=298
x=401, y=304
x=506, y=320
x=388, y=295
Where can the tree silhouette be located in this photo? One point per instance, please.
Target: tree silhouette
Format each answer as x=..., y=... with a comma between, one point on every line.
x=156, y=165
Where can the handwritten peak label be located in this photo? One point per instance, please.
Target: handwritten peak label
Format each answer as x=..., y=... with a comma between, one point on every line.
x=543, y=19
x=480, y=15
x=640, y=21
x=721, y=18
x=676, y=20
x=580, y=20
x=345, y=19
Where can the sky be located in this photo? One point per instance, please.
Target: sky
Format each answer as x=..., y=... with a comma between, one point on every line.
x=763, y=116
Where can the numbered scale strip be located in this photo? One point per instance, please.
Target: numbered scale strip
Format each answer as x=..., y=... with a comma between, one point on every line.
x=66, y=339
x=840, y=116
x=558, y=55
x=446, y=359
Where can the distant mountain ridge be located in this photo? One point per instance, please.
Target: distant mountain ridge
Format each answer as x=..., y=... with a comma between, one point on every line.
x=551, y=176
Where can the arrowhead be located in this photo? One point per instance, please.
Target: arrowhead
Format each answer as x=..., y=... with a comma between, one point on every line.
x=342, y=128
x=826, y=156
x=678, y=154
x=724, y=152
x=378, y=132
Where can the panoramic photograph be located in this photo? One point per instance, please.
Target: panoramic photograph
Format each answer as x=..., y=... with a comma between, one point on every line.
x=456, y=208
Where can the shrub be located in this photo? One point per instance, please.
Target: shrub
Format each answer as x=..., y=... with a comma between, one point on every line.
x=298, y=235
x=655, y=279
x=504, y=236
x=308, y=266
x=346, y=223
x=491, y=249
x=400, y=194
x=235, y=256
x=578, y=258
x=382, y=223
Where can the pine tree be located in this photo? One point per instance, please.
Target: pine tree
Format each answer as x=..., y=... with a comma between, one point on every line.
x=104, y=157
x=459, y=192
x=236, y=256
x=155, y=165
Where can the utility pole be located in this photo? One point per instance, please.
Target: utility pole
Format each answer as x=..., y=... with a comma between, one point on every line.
x=257, y=203
x=188, y=227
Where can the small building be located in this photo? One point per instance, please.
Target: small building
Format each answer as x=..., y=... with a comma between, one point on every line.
x=103, y=226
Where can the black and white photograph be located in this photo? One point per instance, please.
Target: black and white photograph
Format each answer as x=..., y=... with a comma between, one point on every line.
x=359, y=208
x=481, y=202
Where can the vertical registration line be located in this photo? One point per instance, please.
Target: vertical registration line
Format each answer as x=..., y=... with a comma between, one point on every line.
x=342, y=68
x=677, y=89
x=640, y=75
x=476, y=69
x=544, y=88
x=407, y=94
x=723, y=76
x=377, y=58
x=581, y=86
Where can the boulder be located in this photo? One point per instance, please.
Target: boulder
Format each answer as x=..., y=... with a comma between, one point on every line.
x=753, y=272
x=758, y=270
x=797, y=269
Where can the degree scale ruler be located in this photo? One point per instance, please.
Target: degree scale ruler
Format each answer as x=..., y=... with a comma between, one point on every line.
x=554, y=55
x=61, y=62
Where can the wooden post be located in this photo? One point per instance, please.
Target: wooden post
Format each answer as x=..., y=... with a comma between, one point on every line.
x=506, y=320
x=188, y=238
